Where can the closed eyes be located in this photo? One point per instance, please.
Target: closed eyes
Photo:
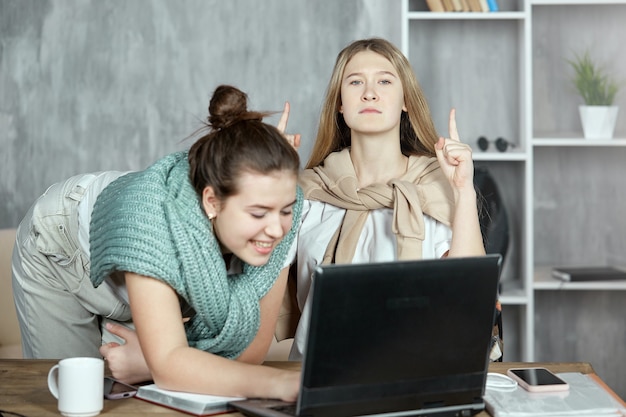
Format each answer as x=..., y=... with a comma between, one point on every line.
x=261, y=215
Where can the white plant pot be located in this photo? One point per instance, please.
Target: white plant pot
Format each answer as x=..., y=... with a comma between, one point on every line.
x=598, y=121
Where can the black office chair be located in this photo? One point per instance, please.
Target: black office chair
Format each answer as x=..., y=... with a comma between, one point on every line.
x=494, y=226
x=494, y=220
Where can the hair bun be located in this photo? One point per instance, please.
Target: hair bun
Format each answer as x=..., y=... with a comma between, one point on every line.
x=228, y=106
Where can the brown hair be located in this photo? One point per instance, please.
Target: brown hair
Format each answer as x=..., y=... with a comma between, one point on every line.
x=237, y=141
x=417, y=130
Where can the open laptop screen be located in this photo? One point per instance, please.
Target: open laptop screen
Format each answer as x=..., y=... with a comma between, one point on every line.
x=400, y=335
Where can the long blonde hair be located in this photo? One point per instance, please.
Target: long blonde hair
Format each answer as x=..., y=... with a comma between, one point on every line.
x=417, y=130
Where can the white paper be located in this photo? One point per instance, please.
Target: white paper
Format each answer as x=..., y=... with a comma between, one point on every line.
x=584, y=398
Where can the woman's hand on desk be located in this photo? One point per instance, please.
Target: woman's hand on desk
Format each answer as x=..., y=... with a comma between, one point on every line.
x=126, y=361
x=287, y=385
x=128, y=364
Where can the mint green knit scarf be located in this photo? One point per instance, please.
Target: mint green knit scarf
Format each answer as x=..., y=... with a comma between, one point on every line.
x=151, y=223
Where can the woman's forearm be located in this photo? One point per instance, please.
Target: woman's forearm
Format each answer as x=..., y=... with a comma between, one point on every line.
x=192, y=370
x=466, y=236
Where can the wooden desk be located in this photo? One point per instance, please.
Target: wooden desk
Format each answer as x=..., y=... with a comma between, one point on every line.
x=24, y=388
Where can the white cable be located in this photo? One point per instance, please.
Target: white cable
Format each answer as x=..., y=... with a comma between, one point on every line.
x=500, y=382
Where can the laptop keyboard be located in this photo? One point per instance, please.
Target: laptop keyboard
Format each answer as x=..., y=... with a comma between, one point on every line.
x=289, y=409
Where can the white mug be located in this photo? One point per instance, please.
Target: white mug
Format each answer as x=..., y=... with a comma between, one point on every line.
x=78, y=385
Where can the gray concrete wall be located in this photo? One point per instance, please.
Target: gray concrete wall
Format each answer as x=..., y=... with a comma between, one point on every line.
x=90, y=85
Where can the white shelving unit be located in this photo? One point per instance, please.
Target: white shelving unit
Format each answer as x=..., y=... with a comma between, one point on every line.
x=572, y=27
x=506, y=74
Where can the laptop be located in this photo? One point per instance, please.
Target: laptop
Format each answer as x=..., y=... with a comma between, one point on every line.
x=395, y=339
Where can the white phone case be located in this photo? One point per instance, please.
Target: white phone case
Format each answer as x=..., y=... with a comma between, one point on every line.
x=533, y=386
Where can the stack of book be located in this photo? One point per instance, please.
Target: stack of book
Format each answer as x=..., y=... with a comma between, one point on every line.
x=462, y=5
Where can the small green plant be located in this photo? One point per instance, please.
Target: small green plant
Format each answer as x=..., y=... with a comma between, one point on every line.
x=593, y=84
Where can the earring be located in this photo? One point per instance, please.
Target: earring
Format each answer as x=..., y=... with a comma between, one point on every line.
x=501, y=144
x=211, y=216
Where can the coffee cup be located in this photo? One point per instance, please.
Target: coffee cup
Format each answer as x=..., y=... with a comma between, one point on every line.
x=77, y=384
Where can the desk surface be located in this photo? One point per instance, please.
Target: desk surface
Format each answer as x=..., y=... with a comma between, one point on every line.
x=24, y=388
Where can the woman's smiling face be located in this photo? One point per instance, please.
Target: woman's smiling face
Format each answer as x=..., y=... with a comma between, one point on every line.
x=252, y=222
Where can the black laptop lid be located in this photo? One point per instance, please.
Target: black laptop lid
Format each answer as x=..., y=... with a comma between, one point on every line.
x=399, y=336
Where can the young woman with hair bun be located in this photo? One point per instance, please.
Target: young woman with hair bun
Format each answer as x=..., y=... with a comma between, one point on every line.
x=195, y=249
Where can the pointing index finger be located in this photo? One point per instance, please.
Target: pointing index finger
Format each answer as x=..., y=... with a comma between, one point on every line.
x=284, y=118
x=454, y=133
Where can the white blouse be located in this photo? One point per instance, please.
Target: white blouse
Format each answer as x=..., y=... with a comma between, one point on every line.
x=377, y=243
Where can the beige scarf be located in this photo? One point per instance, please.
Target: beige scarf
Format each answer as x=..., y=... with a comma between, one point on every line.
x=423, y=189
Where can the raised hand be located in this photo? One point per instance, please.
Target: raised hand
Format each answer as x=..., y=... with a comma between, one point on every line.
x=455, y=157
x=294, y=140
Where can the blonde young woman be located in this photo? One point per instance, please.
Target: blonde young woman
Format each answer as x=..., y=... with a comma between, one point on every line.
x=381, y=184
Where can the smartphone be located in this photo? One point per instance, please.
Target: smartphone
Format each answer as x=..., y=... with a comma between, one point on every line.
x=116, y=390
x=537, y=379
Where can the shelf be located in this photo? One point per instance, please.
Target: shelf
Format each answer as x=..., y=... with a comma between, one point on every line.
x=479, y=155
x=544, y=281
x=574, y=2
x=466, y=15
x=513, y=294
x=574, y=139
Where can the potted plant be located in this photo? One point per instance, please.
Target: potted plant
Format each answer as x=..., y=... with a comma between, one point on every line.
x=598, y=115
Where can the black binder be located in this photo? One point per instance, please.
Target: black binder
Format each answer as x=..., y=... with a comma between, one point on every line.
x=588, y=273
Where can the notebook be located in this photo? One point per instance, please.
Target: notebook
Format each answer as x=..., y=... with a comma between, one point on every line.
x=395, y=339
x=187, y=402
